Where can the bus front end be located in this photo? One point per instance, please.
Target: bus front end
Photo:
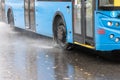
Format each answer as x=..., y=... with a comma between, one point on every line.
x=107, y=25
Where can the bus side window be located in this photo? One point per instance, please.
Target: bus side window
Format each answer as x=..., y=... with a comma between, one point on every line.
x=106, y=2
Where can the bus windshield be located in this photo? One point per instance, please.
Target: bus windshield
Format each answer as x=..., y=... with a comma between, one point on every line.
x=109, y=4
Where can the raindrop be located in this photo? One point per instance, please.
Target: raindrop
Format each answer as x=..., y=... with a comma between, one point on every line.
x=66, y=78
x=48, y=68
x=76, y=59
x=54, y=67
x=81, y=69
x=102, y=75
x=46, y=56
x=71, y=76
x=86, y=73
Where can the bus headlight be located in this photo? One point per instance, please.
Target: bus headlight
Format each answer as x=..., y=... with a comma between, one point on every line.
x=112, y=36
x=117, y=39
x=109, y=23
x=117, y=24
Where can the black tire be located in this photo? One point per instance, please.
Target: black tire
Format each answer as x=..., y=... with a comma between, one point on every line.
x=10, y=19
x=60, y=35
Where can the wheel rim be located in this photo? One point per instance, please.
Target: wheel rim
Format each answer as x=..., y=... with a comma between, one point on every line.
x=61, y=35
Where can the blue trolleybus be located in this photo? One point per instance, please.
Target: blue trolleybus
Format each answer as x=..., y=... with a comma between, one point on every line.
x=93, y=24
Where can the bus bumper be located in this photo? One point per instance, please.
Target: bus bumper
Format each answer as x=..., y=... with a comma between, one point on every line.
x=108, y=47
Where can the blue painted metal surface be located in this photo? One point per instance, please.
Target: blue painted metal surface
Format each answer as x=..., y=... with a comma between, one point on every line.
x=45, y=12
x=103, y=41
x=44, y=15
x=17, y=7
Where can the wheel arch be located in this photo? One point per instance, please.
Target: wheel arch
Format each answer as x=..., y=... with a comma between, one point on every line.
x=8, y=11
x=65, y=44
x=60, y=15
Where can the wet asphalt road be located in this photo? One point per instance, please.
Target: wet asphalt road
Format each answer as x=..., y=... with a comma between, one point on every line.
x=28, y=56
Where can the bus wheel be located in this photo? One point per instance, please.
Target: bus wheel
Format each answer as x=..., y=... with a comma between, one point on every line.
x=60, y=35
x=10, y=19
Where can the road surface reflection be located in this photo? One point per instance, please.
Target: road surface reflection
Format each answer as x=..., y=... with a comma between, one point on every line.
x=28, y=56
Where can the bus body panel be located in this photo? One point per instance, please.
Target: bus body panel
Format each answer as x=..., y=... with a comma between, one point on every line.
x=44, y=16
x=45, y=12
x=103, y=41
x=17, y=7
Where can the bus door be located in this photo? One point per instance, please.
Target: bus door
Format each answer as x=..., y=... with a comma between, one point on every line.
x=29, y=6
x=83, y=22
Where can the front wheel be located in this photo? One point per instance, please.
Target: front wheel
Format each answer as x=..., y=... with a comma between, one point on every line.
x=60, y=35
